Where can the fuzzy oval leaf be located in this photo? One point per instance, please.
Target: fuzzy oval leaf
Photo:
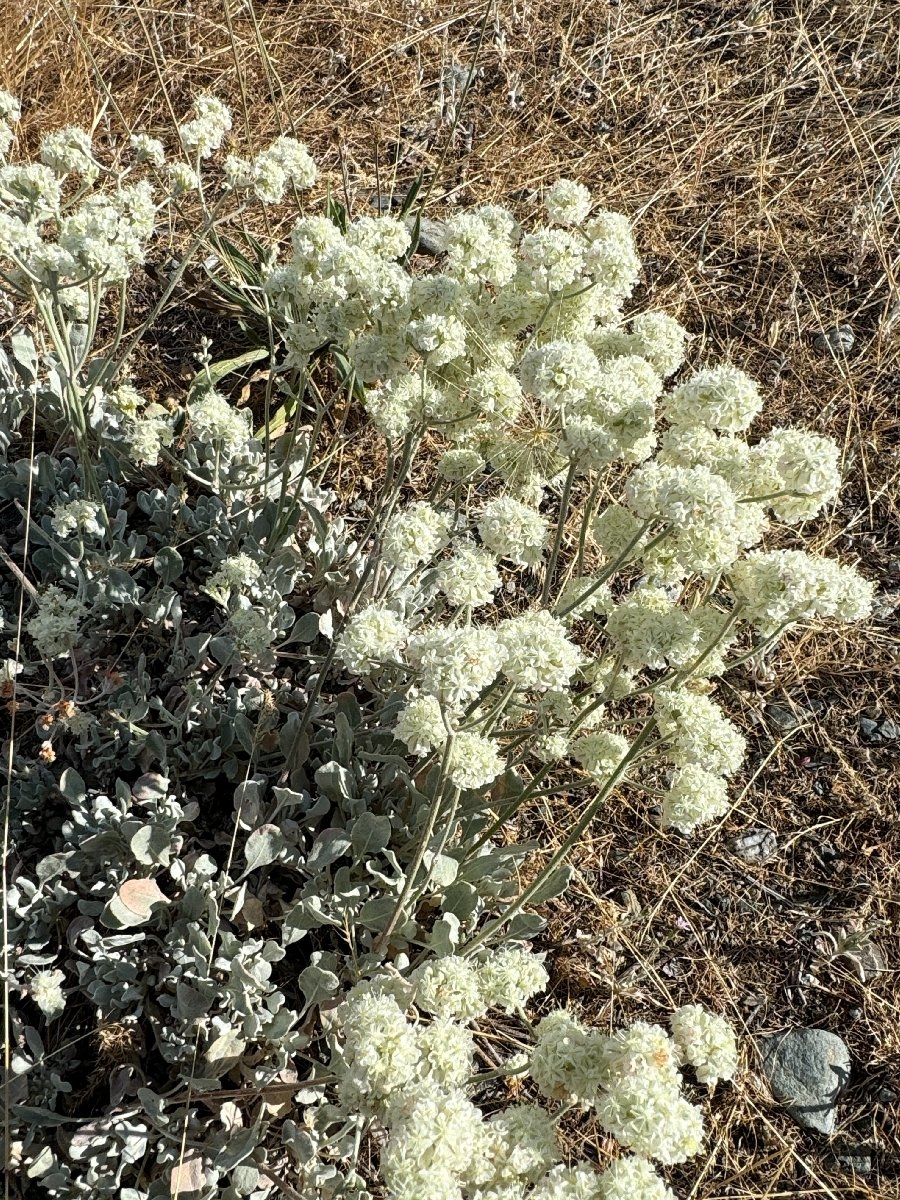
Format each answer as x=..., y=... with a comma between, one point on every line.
x=188, y=1176
x=263, y=846
x=133, y=903
x=370, y=833
x=168, y=564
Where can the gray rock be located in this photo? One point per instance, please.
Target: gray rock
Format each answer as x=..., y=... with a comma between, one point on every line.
x=755, y=845
x=874, y=728
x=807, y=1070
x=857, y=1160
x=783, y=717
x=432, y=236
x=836, y=341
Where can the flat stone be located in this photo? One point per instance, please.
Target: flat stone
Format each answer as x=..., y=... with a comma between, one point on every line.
x=783, y=717
x=875, y=728
x=432, y=236
x=857, y=1160
x=807, y=1070
x=755, y=845
x=836, y=341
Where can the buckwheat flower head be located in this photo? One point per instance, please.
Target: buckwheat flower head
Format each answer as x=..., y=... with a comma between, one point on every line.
x=376, y=356
x=414, y=536
x=495, y=393
x=568, y=202
x=640, y=1102
x=33, y=188
x=420, y=725
x=252, y=632
x=611, y=258
x=565, y=1061
x=440, y=338
x=446, y=1050
x=587, y=443
x=807, y=465
x=633, y=1178
x=79, y=516
x=238, y=172
x=700, y=508
x=182, y=178
x=147, y=149
x=203, y=136
x=431, y=1147
x=385, y=236
x=580, y=1182
x=550, y=747
x=652, y=1119
x=699, y=732
x=722, y=397
x=474, y=761
x=392, y=407
x=477, y=250
x=46, y=992
x=10, y=108
x=520, y=1146
x=7, y=137
x=552, y=258
x=600, y=753
x=286, y=160
x=694, y=798
x=470, y=577
x=371, y=637
x=19, y=239
x=560, y=373
x=216, y=420
x=778, y=587
x=648, y=630
x=660, y=339
x=510, y=977
x=237, y=573
x=107, y=235
x=513, y=530
x=148, y=434
x=623, y=382
x=456, y=664
x=706, y=1041
x=380, y=1053
x=615, y=529
x=459, y=464
x=450, y=987
x=55, y=625
x=539, y=655
x=69, y=149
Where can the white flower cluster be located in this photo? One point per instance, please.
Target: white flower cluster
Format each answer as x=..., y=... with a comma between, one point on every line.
x=55, y=627
x=705, y=1041
x=77, y=516
x=408, y=1074
x=46, y=991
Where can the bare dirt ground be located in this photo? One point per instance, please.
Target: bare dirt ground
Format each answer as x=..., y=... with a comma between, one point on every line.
x=756, y=145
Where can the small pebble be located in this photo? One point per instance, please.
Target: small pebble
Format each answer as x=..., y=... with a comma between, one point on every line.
x=855, y=1159
x=783, y=717
x=836, y=341
x=755, y=845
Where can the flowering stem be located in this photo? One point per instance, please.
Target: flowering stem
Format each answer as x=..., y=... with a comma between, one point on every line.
x=562, y=853
x=560, y=530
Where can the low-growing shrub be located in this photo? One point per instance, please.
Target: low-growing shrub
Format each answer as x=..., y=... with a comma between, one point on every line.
x=270, y=737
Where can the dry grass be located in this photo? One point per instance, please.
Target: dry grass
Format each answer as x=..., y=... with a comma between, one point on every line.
x=755, y=145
